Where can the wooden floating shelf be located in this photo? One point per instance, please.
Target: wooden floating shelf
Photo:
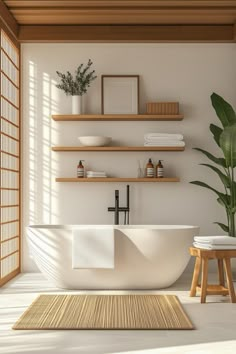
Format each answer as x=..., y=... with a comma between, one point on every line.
x=114, y=179
x=117, y=148
x=117, y=117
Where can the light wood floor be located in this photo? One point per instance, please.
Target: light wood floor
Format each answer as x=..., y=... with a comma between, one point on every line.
x=215, y=323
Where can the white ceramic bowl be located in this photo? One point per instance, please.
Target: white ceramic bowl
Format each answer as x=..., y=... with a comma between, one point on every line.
x=94, y=140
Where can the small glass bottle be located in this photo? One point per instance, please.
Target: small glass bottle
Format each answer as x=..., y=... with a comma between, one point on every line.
x=160, y=170
x=80, y=170
x=150, y=169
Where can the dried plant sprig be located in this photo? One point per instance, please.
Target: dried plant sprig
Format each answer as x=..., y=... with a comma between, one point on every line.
x=79, y=84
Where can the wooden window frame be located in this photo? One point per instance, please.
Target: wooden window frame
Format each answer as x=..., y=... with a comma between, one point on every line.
x=3, y=151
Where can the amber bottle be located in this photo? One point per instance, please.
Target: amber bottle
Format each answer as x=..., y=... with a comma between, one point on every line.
x=150, y=169
x=80, y=170
x=160, y=170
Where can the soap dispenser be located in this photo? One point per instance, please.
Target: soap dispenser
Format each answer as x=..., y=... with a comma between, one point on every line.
x=160, y=170
x=80, y=169
x=150, y=169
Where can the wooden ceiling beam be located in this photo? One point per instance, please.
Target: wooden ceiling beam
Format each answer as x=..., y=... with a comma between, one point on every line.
x=124, y=17
x=120, y=3
x=120, y=20
x=136, y=33
x=8, y=21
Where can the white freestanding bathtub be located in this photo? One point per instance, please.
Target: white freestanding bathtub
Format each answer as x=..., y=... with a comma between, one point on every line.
x=146, y=256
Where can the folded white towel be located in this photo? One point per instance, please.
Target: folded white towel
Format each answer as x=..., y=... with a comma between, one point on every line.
x=206, y=246
x=163, y=136
x=97, y=176
x=165, y=143
x=96, y=172
x=93, y=247
x=216, y=240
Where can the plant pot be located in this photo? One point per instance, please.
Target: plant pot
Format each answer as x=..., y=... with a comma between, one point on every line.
x=76, y=104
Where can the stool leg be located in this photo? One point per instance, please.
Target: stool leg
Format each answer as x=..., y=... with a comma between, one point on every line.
x=221, y=272
x=195, y=276
x=204, y=279
x=229, y=279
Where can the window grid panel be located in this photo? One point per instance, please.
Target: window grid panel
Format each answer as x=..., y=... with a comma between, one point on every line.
x=9, y=247
x=9, y=112
x=9, y=214
x=9, y=197
x=9, y=161
x=9, y=158
x=8, y=78
x=9, y=222
x=9, y=58
x=9, y=91
x=9, y=264
x=9, y=48
x=9, y=230
x=9, y=136
x=9, y=129
x=9, y=179
x=9, y=145
x=9, y=68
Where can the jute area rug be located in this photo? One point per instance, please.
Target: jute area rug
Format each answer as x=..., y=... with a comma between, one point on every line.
x=104, y=312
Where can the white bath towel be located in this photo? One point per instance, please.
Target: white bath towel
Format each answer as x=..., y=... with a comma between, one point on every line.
x=96, y=174
x=153, y=136
x=216, y=240
x=93, y=248
x=207, y=246
x=164, y=142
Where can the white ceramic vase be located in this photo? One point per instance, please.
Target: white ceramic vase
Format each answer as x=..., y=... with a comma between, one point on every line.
x=76, y=104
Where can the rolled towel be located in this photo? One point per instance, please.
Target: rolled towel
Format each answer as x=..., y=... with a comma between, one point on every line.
x=207, y=246
x=149, y=136
x=216, y=240
x=164, y=142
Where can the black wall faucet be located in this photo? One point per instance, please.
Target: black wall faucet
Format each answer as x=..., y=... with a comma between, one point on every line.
x=117, y=209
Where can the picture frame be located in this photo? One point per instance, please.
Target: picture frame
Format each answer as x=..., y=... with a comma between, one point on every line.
x=120, y=94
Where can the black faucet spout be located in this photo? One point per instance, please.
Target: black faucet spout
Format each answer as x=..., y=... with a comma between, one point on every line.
x=117, y=209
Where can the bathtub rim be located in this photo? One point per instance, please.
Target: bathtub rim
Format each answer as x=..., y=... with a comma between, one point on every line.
x=116, y=227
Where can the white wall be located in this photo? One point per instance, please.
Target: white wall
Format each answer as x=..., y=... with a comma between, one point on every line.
x=187, y=73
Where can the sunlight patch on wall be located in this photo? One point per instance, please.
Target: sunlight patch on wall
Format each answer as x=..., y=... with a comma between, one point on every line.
x=42, y=102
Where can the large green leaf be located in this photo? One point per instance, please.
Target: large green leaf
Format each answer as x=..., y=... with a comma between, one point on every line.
x=228, y=145
x=224, y=110
x=216, y=131
x=224, y=178
x=223, y=226
x=218, y=160
x=223, y=197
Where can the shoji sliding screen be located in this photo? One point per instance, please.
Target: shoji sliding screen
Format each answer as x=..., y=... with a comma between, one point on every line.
x=10, y=160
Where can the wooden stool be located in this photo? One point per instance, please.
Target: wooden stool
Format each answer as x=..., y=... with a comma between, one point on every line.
x=223, y=258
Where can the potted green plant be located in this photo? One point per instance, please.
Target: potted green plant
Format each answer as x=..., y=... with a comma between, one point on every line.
x=224, y=166
x=78, y=85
